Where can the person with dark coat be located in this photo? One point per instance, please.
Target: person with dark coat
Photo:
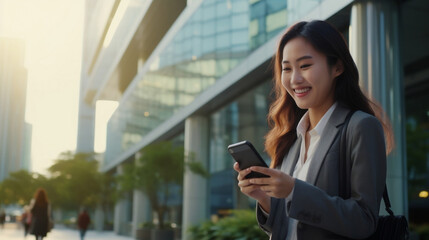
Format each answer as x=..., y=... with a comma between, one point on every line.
x=83, y=221
x=40, y=212
x=2, y=219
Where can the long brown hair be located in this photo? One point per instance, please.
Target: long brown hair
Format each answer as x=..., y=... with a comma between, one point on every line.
x=41, y=198
x=284, y=114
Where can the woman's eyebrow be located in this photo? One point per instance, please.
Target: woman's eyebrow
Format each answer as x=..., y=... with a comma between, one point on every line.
x=299, y=59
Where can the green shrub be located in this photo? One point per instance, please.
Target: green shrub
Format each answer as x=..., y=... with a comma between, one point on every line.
x=421, y=229
x=146, y=225
x=240, y=225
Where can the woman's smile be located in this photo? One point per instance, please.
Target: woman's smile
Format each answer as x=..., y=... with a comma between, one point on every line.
x=302, y=92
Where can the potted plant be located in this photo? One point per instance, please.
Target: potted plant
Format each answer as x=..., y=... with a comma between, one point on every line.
x=144, y=231
x=160, y=166
x=240, y=224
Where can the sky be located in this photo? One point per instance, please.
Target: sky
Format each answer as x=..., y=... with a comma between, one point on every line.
x=53, y=32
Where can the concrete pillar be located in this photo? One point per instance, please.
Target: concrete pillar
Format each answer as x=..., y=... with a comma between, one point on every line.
x=141, y=210
x=120, y=210
x=141, y=207
x=195, y=197
x=99, y=218
x=374, y=44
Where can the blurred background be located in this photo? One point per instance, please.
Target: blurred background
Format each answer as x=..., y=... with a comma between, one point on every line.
x=92, y=91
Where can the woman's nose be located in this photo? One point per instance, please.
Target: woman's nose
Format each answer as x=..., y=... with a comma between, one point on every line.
x=296, y=77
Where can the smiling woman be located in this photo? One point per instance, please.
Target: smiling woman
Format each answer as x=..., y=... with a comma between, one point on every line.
x=52, y=31
x=317, y=89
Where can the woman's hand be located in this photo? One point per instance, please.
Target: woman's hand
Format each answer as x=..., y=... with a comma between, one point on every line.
x=247, y=188
x=278, y=185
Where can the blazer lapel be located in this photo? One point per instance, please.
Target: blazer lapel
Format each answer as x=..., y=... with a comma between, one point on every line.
x=325, y=142
x=289, y=161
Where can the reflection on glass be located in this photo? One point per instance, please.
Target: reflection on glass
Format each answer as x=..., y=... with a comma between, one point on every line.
x=243, y=119
x=215, y=39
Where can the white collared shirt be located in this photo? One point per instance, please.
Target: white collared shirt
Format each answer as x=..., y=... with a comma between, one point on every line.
x=301, y=168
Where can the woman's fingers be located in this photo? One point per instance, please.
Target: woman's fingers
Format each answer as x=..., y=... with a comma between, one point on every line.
x=244, y=183
x=278, y=184
x=250, y=190
x=241, y=173
x=264, y=170
x=236, y=167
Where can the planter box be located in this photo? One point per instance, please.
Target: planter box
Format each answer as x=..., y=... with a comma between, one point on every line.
x=154, y=234
x=162, y=234
x=143, y=234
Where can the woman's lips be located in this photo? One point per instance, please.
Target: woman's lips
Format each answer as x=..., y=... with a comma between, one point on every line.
x=301, y=92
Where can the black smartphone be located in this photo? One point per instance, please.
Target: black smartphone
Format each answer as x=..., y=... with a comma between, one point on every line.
x=246, y=156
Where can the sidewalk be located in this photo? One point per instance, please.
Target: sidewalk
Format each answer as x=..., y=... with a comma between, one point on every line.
x=12, y=232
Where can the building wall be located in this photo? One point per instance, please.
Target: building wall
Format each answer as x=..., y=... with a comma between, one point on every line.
x=26, y=156
x=96, y=18
x=13, y=88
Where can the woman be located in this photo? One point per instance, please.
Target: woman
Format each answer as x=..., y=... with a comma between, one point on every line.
x=316, y=86
x=40, y=212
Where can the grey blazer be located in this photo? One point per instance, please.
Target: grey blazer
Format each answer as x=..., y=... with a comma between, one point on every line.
x=315, y=202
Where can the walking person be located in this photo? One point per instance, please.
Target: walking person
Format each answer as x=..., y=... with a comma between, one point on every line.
x=40, y=214
x=316, y=87
x=26, y=219
x=83, y=221
x=2, y=219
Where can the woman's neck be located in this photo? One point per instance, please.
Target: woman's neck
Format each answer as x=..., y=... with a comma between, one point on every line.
x=315, y=114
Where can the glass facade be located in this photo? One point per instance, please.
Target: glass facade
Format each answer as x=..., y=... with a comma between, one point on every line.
x=243, y=119
x=415, y=33
x=215, y=39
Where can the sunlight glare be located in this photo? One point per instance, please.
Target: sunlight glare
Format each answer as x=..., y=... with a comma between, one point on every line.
x=123, y=5
x=53, y=32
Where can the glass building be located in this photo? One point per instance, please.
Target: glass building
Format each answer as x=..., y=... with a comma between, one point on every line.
x=15, y=133
x=198, y=72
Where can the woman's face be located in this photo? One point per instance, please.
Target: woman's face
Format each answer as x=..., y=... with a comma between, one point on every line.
x=307, y=76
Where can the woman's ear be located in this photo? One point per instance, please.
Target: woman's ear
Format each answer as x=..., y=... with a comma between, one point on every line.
x=338, y=68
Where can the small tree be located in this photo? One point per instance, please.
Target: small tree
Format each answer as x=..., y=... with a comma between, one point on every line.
x=78, y=181
x=20, y=186
x=160, y=166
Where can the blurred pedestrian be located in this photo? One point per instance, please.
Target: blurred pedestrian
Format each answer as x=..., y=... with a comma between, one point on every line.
x=2, y=219
x=40, y=212
x=26, y=219
x=83, y=221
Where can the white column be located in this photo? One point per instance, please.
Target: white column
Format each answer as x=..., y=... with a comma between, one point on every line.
x=195, y=199
x=141, y=207
x=99, y=218
x=374, y=45
x=141, y=210
x=120, y=210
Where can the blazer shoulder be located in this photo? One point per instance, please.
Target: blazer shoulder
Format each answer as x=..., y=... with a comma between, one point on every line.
x=360, y=117
x=364, y=122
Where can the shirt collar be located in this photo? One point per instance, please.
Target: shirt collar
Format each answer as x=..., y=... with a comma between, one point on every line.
x=303, y=124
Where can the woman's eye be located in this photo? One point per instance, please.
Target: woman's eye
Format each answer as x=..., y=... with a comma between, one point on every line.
x=305, y=65
x=286, y=69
